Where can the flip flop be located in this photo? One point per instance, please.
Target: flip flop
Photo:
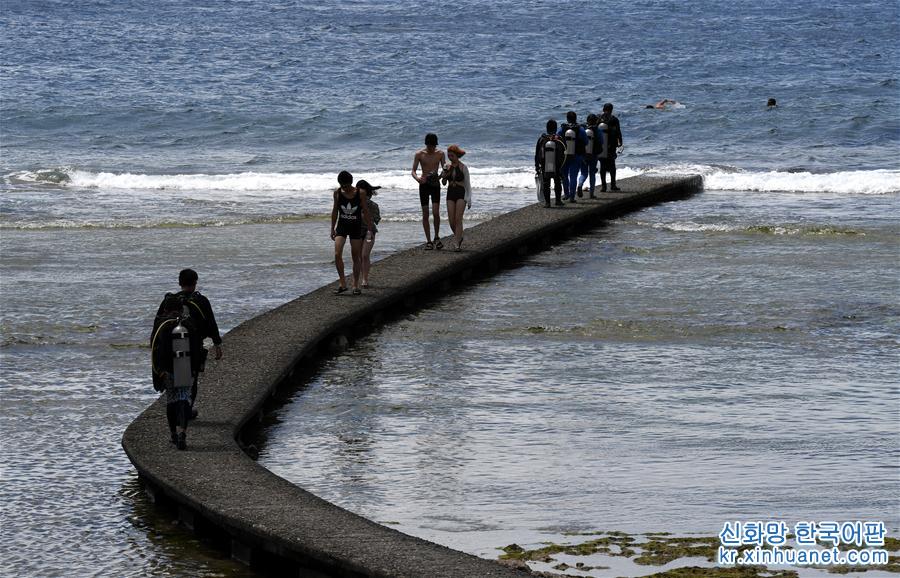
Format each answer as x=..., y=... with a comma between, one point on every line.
x=340, y=290
x=438, y=245
x=357, y=291
x=429, y=246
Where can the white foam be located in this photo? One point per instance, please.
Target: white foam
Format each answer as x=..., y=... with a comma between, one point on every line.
x=273, y=185
x=694, y=227
x=494, y=178
x=877, y=182
x=773, y=229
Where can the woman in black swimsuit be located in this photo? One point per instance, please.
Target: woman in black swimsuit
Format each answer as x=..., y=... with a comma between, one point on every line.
x=347, y=218
x=459, y=192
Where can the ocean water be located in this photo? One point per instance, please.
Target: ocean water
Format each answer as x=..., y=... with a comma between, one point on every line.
x=732, y=356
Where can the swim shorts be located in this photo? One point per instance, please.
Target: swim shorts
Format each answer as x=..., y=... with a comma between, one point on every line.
x=427, y=190
x=350, y=230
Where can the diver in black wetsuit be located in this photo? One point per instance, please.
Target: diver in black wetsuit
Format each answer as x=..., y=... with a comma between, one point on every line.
x=195, y=312
x=614, y=141
x=549, y=153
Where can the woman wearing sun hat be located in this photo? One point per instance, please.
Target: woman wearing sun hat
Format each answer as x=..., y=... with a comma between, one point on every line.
x=459, y=191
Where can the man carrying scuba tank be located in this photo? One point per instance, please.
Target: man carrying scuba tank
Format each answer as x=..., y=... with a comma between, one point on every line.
x=549, y=155
x=591, y=152
x=183, y=321
x=576, y=140
x=612, y=133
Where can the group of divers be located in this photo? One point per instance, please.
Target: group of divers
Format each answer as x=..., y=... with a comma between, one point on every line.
x=568, y=154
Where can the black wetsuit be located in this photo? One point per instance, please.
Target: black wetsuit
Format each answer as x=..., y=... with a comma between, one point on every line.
x=546, y=176
x=203, y=321
x=613, y=140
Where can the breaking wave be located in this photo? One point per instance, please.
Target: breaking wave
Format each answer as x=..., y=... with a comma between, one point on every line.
x=775, y=229
x=875, y=182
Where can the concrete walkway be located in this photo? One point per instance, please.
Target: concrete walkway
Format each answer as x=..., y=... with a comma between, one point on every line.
x=265, y=520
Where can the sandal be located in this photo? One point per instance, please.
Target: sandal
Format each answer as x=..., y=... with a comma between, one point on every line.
x=340, y=290
x=365, y=285
x=429, y=246
x=437, y=244
x=357, y=291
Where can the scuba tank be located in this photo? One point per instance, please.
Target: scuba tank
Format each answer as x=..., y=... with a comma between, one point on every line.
x=591, y=141
x=181, y=352
x=550, y=167
x=571, y=137
x=603, y=129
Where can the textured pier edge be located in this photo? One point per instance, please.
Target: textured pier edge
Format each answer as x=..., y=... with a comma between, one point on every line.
x=267, y=521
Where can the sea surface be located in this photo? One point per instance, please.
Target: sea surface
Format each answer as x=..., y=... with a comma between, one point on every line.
x=733, y=356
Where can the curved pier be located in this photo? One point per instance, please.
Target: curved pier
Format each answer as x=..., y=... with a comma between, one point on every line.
x=268, y=522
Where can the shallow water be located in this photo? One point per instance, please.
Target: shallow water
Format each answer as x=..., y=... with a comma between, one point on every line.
x=693, y=363
x=705, y=338
x=77, y=308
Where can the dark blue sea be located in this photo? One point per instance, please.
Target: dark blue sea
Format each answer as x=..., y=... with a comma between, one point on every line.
x=732, y=356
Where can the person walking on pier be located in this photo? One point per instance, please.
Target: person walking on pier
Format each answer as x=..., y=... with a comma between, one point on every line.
x=348, y=216
x=575, y=138
x=189, y=312
x=459, y=192
x=549, y=153
x=431, y=162
x=612, y=133
x=592, y=149
x=368, y=191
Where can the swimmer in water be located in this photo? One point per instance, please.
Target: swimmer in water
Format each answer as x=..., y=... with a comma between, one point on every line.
x=663, y=104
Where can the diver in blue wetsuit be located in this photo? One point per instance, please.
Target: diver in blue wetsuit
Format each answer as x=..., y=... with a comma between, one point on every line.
x=576, y=139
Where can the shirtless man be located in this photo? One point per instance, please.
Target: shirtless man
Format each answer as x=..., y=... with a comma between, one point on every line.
x=431, y=161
